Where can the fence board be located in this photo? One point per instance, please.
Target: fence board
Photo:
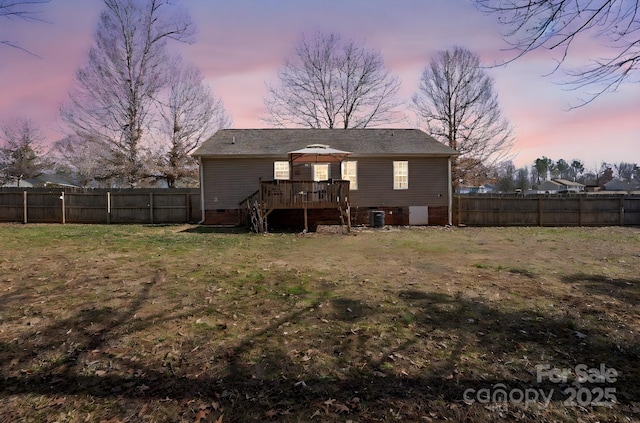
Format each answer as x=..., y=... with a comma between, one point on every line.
x=86, y=208
x=12, y=207
x=578, y=210
x=44, y=207
x=100, y=205
x=183, y=205
x=631, y=211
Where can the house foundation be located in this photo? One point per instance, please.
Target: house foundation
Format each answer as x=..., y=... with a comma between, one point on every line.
x=294, y=218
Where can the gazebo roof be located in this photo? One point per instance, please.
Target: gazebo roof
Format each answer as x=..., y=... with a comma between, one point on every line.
x=317, y=153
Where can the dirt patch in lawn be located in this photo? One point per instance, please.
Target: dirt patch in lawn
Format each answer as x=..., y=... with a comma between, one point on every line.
x=175, y=323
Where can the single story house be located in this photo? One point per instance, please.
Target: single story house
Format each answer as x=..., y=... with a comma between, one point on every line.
x=328, y=174
x=560, y=186
x=43, y=181
x=617, y=184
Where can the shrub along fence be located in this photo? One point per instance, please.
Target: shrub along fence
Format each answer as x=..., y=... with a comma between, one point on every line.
x=79, y=205
x=547, y=210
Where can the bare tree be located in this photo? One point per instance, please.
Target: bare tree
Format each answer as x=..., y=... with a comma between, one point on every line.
x=457, y=102
x=604, y=174
x=562, y=169
x=626, y=171
x=558, y=24
x=20, y=9
x=505, y=176
x=83, y=159
x=522, y=180
x=21, y=155
x=331, y=83
x=127, y=67
x=508, y=178
x=577, y=169
x=190, y=115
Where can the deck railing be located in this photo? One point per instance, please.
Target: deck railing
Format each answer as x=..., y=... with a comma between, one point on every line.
x=284, y=194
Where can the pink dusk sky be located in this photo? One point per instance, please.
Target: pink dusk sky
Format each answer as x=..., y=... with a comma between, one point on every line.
x=241, y=44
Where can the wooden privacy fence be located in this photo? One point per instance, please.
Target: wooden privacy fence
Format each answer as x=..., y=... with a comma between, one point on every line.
x=560, y=210
x=72, y=205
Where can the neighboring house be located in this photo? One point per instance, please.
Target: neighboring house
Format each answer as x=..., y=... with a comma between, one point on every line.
x=43, y=181
x=404, y=172
x=560, y=186
x=617, y=184
x=489, y=188
x=482, y=189
x=22, y=183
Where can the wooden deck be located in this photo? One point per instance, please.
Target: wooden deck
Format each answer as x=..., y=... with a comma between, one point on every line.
x=302, y=195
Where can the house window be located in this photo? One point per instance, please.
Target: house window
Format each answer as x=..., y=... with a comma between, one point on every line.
x=320, y=172
x=401, y=175
x=350, y=173
x=280, y=170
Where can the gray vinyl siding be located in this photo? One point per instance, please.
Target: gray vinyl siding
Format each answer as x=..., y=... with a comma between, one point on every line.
x=228, y=181
x=428, y=183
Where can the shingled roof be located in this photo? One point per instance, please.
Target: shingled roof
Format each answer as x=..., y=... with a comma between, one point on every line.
x=361, y=142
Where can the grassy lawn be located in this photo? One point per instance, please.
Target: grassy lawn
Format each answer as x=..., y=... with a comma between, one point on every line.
x=182, y=323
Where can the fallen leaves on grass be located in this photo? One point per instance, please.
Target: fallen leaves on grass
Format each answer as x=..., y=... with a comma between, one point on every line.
x=275, y=340
x=333, y=406
x=205, y=409
x=270, y=413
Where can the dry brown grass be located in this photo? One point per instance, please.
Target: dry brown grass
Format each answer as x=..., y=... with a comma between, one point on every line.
x=183, y=323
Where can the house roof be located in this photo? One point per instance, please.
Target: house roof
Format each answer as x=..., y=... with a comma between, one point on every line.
x=558, y=183
x=617, y=184
x=43, y=180
x=361, y=142
x=550, y=184
x=568, y=183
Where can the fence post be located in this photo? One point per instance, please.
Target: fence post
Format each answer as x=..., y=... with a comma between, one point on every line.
x=24, y=206
x=108, y=208
x=580, y=211
x=151, y=208
x=621, y=211
x=539, y=211
x=188, y=199
x=63, y=208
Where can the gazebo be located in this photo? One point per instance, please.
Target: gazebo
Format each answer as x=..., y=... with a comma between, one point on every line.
x=292, y=194
x=318, y=154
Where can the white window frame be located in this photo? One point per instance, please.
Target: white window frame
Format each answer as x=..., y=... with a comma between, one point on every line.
x=279, y=170
x=400, y=175
x=349, y=172
x=316, y=167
